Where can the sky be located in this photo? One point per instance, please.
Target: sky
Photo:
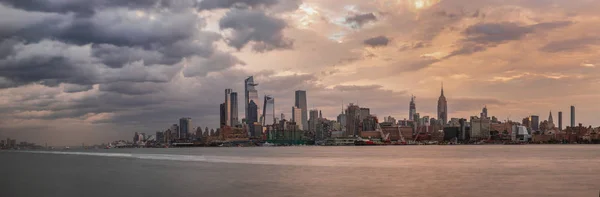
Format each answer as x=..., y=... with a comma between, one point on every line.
x=93, y=71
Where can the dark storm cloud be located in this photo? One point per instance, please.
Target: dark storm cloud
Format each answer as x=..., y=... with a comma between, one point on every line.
x=359, y=20
x=217, y=4
x=255, y=26
x=131, y=88
x=481, y=36
x=48, y=70
x=88, y=7
x=570, y=45
x=217, y=62
x=377, y=41
x=73, y=88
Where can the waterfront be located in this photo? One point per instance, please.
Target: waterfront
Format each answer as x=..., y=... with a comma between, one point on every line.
x=527, y=170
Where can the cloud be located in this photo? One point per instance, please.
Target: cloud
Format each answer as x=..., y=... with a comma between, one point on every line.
x=481, y=36
x=89, y=7
x=73, y=88
x=217, y=4
x=359, y=20
x=570, y=45
x=217, y=62
x=265, y=31
x=377, y=41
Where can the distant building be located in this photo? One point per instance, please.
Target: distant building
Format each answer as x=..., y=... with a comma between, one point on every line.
x=364, y=113
x=223, y=115
x=369, y=123
x=300, y=102
x=342, y=120
x=228, y=107
x=312, y=121
x=185, y=127
x=442, y=109
x=268, y=111
x=297, y=117
x=160, y=137
x=252, y=116
x=484, y=112
x=560, y=121
x=412, y=108
x=352, y=120
x=234, y=109
x=251, y=95
x=550, y=119
x=572, y=116
x=535, y=123
x=480, y=128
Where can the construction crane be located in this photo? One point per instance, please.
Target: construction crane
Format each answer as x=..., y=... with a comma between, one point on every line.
x=384, y=137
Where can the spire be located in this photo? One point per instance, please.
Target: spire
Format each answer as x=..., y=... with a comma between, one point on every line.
x=550, y=117
x=442, y=88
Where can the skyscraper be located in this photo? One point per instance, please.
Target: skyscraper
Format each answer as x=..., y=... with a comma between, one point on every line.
x=413, y=108
x=268, y=114
x=234, y=109
x=175, y=132
x=560, y=121
x=364, y=113
x=484, y=112
x=342, y=120
x=228, y=104
x=535, y=123
x=250, y=95
x=185, y=126
x=252, y=116
x=550, y=119
x=442, y=109
x=297, y=115
x=312, y=122
x=301, y=103
x=352, y=120
x=572, y=116
x=223, y=115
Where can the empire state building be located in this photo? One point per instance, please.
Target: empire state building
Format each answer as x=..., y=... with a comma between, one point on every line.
x=442, y=108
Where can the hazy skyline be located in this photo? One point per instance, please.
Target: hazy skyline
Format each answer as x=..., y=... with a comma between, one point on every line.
x=99, y=70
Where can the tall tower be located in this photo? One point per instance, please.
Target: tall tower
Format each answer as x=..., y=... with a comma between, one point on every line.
x=560, y=121
x=550, y=120
x=442, y=109
x=234, y=120
x=269, y=103
x=250, y=95
x=412, y=109
x=352, y=120
x=301, y=103
x=484, y=112
x=185, y=127
x=572, y=116
x=228, y=106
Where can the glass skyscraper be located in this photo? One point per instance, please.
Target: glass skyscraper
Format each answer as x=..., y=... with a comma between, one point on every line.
x=301, y=103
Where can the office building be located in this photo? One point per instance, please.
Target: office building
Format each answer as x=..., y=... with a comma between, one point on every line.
x=352, y=120
x=251, y=94
x=560, y=121
x=364, y=113
x=342, y=120
x=234, y=120
x=572, y=116
x=312, y=122
x=535, y=123
x=185, y=127
x=268, y=115
x=175, y=132
x=297, y=116
x=412, y=108
x=442, y=109
x=300, y=102
x=228, y=107
x=223, y=115
x=550, y=119
x=252, y=117
x=484, y=112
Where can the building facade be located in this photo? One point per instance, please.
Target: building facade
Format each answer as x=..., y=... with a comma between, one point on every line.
x=300, y=102
x=412, y=110
x=572, y=116
x=250, y=94
x=313, y=119
x=442, y=108
x=560, y=121
x=352, y=120
x=185, y=127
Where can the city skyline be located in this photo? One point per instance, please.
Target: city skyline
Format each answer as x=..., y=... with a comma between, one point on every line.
x=139, y=68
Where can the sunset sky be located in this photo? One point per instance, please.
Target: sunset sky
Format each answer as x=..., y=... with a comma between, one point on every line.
x=98, y=70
